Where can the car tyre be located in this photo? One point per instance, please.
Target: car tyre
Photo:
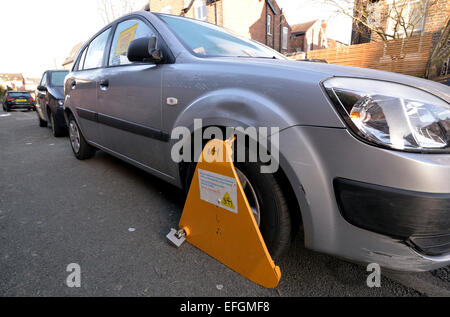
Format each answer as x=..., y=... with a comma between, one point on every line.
x=263, y=191
x=81, y=149
x=57, y=130
x=42, y=123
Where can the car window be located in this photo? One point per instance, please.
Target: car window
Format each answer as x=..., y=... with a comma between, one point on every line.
x=19, y=94
x=205, y=39
x=81, y=61
x=126, y=32
x=96, y=50
x=57, y=79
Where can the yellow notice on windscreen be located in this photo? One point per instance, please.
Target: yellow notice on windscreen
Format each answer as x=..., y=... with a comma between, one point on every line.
x=125, y=38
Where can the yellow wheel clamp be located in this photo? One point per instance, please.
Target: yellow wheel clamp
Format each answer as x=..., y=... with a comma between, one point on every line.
x=218, y=220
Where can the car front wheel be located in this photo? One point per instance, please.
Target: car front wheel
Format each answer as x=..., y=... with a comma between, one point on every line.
x=57, y=130
x=268, y=204
x=80, y=147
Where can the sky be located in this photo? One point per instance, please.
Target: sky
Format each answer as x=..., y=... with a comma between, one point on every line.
x=298, y=11
x=39, y=34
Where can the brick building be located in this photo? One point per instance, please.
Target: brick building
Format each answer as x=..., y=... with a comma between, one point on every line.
x=260, y=20
x=423, y=16
x=13, y=81
x=308, y=36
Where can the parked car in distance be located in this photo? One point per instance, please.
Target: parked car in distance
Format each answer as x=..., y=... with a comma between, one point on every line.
x=18, y=100
x=364, y=155
x=50, y=101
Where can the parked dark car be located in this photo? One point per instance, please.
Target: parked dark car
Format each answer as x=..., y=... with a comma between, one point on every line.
x=364, y=155
x=18, y=100
x=50, y=101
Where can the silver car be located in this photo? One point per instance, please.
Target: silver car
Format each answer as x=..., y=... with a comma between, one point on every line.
x=363, y=155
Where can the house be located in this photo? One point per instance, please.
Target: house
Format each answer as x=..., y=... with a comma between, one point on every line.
x=13, y=81
x=420, y=17
x=260, y=20
x=68, y=62
x=31, y=83
x=308, y=36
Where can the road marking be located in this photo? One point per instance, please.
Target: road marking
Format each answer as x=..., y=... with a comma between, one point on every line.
x=5, y=115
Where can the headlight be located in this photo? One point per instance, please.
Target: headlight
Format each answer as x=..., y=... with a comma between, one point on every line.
x=392, y=115
x=60, y=103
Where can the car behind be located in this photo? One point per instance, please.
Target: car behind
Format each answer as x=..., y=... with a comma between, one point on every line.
x=18, y=100
x=50, y=101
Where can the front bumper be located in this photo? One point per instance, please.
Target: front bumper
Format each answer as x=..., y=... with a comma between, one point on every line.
x=314, y=157
x=422, y=220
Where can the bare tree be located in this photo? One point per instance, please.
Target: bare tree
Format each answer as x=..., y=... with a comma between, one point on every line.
x=113, y=9
x=388, y=19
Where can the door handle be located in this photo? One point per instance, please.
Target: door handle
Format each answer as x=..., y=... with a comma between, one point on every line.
x=104, y=84
x=74, y=84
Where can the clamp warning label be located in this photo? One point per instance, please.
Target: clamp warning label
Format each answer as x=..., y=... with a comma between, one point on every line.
x=218, y=190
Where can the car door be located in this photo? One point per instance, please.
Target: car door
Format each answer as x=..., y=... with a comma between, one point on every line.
x=129, y=99
x=82, y=84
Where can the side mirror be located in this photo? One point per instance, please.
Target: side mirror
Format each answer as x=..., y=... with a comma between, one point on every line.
x=42, y=88
x=144, y=50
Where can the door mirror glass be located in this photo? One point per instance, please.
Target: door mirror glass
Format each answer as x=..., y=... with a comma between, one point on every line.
x=42, y=88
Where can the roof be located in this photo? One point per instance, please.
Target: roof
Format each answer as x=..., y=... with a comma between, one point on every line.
x=73, y=53
x=272, y=7
x=11, y=77
x=303, y=27
x=29, y=80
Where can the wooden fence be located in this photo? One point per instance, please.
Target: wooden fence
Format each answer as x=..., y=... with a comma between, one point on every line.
x=406, y=56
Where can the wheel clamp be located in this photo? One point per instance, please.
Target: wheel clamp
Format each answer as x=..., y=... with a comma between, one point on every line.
x=218, y=220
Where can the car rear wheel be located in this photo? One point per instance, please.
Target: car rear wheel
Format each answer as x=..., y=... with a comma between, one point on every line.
x=268, y=204
x=80, y=147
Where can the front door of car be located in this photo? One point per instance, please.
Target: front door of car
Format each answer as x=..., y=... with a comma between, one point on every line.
x=129, y=100
x=81, y=86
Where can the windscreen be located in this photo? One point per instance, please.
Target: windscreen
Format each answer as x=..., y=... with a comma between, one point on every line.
x=205, y=39
x=57, y=79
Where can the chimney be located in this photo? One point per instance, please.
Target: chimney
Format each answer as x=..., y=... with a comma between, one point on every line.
x=324, y=27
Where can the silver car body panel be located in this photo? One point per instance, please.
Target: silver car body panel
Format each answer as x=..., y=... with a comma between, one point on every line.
x=315, y=146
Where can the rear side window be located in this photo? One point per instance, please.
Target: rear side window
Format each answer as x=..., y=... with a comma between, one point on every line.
x=96, y=50
x=126, y=32
x=81, y=61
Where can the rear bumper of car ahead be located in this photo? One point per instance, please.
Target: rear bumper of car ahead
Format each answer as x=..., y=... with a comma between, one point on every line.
x=368, y=204
x=22, y=106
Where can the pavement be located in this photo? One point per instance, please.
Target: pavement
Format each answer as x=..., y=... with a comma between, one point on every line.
x=111, y=219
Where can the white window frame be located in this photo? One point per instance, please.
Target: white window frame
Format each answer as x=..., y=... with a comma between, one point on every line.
x=200, y=10
x=284, y=42
x=269, y=25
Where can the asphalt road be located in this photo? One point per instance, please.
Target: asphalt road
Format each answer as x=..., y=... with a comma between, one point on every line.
x=111, y=219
